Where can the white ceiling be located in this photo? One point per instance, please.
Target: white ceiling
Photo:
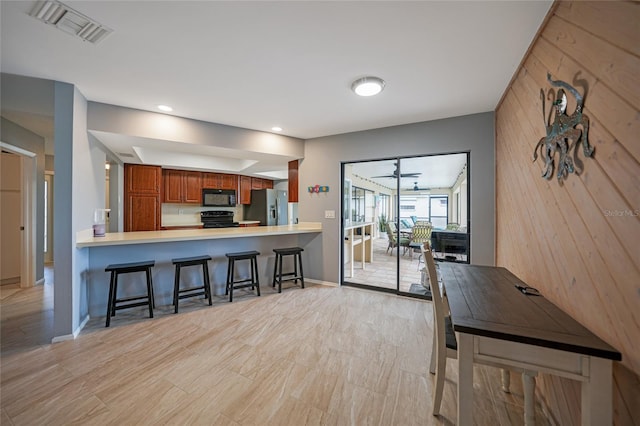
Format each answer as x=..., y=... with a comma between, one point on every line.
x=436, y=171
x=261, y=64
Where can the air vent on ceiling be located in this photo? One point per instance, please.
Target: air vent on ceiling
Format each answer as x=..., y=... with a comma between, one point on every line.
x=126, y=155
x=70, y=21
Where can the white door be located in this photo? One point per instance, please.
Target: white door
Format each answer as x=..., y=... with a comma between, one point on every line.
x=10, y=218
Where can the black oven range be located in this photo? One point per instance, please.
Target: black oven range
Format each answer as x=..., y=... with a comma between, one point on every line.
x=217, y=219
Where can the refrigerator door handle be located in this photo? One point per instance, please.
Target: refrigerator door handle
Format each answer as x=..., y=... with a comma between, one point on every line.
x=275, y=212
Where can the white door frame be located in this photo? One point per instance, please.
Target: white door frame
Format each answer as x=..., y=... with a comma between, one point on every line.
x=48, y=255
x=28, y=257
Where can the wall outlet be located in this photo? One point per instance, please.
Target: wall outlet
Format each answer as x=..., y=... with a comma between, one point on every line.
x=329, y=214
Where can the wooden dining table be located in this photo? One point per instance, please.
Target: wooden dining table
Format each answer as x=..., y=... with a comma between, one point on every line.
x=495, y=321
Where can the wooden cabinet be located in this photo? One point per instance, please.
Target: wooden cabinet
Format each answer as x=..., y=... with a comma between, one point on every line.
x=247, y=183
x=143, y=213
x=256, y=183
x=182, y=186
x=142, y=179
x=259, y=183
x=293, y=181
x=229, y=182
x=220, y=181
x=142, y=185
x=245, y=190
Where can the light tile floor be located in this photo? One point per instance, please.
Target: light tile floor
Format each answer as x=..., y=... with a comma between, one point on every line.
x=382, y=271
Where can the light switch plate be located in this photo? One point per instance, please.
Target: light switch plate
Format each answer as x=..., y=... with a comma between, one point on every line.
x=329, y=214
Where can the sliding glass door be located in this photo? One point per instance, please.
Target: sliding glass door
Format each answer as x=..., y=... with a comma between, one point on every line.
x=390, y=207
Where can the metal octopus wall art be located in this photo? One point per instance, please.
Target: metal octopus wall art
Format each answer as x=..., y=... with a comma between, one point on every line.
x=562, y=135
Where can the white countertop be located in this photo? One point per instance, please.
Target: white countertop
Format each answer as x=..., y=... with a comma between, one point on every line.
x=144, y=237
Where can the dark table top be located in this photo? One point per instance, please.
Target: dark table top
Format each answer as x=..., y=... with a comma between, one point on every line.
x=484, y=301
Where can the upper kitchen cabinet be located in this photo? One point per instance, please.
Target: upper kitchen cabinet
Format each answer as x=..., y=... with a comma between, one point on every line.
x=142, y=185
x=244, y=196
x=220, y=181
x=181, y=186
x=248, y=183
x=142, y=179
x=259, y=183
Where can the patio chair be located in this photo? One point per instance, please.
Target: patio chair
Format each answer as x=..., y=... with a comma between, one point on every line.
x=420, y=235
x=393, y=241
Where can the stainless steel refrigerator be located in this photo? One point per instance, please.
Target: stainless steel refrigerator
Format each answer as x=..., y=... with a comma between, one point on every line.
x=269, y=206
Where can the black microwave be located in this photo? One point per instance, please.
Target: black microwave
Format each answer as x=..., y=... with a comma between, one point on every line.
x=218, y=197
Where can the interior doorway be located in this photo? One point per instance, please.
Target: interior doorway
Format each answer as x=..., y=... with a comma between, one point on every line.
x=18, y=216
x=391, y=206
x=11, y=217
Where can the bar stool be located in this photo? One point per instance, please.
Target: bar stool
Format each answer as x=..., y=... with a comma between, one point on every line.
x=203, y=290
x=252, y=282
x=296, y=252
x=129, y=302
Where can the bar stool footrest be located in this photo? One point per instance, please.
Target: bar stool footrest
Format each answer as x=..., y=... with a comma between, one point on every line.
x=188, y=292
x=131, y=305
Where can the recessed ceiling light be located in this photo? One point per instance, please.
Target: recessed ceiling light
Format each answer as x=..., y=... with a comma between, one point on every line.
x=165, y=108
x=368, y=86
x=276, y=129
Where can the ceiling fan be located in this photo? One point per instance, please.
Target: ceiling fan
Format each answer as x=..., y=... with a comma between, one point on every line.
x=416, y=188
x=395, y=173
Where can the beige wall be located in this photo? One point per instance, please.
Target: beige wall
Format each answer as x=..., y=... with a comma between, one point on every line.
x=579, y=242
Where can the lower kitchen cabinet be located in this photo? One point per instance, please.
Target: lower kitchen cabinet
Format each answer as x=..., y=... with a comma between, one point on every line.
x=142, y=212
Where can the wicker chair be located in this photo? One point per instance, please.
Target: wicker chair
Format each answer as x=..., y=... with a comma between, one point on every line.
x=393, y=239
x=421, y=235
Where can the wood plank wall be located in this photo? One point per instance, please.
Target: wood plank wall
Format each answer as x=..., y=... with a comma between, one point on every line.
x=579, y=243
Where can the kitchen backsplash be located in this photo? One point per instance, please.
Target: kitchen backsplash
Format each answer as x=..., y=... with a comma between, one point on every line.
x=189, y=214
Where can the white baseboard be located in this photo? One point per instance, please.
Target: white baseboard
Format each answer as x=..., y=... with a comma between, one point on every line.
x=75, y=334
x=40, y=281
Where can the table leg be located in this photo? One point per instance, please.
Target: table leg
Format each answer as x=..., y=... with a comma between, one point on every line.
x=506, y=380
x=353, y=260
x=362, y=248
x=465, y=379
x=529, y=387
x=597, y=399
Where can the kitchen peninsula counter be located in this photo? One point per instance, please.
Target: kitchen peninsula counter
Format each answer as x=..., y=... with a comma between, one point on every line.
x=163, y=246
x=144, y=237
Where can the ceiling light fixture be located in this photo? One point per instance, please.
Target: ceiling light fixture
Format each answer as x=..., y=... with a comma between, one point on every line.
x=368, y=86
x=165, y=108
x=276, y=129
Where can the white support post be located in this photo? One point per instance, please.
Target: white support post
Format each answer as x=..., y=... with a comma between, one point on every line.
x=597, y=399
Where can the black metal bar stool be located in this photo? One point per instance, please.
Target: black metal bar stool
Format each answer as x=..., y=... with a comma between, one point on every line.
x=203, y=290
x=129, y=302
x=252, y=282
x=296, y=252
